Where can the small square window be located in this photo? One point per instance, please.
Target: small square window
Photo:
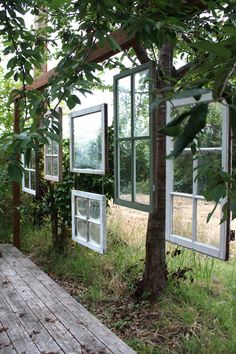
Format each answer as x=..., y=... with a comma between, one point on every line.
x=88, y=149
x=89, y=220
x=53, y=156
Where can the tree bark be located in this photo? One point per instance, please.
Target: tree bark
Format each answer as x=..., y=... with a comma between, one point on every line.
x=155, y=273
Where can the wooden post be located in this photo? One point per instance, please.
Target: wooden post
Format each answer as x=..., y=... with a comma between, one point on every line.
x=16, y=185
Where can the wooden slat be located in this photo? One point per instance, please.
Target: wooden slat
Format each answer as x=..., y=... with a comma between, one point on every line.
x=57, y=331
x=98, y=54
x=90, y=333
x=102, y=332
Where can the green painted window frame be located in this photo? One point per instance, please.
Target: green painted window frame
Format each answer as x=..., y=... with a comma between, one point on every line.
x=151, y=67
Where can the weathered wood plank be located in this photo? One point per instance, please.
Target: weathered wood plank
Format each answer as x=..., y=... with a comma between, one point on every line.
x=102, y=332
x=16, y=332
x=6, y=346
x=38, y=334
x=88, y=340
x=58, y=332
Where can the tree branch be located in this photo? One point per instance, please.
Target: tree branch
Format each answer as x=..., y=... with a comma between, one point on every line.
x=141, y=53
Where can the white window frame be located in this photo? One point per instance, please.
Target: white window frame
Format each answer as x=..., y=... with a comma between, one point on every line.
x=102, y=108
x=101, y=248
x=51, y=177
x=30, y=170
x=217, y=252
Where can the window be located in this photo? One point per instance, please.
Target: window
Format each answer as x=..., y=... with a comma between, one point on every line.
x=88, y=149
x=133, y=137
x=29, y=175
x=89, y=220
x=186, y=208
x=53, y=157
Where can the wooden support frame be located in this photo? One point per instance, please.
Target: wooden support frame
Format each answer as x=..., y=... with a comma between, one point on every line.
x=100, y=53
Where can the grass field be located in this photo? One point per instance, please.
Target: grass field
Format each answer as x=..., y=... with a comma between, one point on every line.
x=195, y=314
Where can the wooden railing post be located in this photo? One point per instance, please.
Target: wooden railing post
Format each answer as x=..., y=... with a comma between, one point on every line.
x=16, y=185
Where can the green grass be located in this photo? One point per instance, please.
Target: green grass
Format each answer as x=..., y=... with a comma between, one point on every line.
x=189, y=317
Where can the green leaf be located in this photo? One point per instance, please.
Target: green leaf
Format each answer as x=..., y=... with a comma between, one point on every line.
x=215, y=48
x=113, y=44
x=15, y=172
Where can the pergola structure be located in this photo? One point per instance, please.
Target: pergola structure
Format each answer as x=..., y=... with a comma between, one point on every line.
x=98, y=54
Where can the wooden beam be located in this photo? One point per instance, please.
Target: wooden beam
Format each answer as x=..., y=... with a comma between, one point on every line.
x=98, y=54
x=16, y=185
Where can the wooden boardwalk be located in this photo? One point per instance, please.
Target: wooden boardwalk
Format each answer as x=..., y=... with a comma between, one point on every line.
x=38, y=316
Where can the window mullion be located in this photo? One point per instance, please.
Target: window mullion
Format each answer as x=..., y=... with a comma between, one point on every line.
x=133, y=169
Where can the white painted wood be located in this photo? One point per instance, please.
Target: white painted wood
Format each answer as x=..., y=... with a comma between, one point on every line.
x=101, y=247
x=223, y=149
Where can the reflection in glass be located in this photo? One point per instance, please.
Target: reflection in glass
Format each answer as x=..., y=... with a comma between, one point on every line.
x=55, y=166
x=55, y=147
x=183, y=173
x=211, y=136
x=82, y=229
x=125, y=162
x=208, y=233
x=94, y=233
x=87, y=132
x=142, y=158
x=82, y=207
x=27, y=179
x=48, y=165
x=141, y=95
x=124, y=107
x=182, y=216
x=94, y=210
x=33, y=180
x=207, y=159
x=49, y=148
x=32, y=160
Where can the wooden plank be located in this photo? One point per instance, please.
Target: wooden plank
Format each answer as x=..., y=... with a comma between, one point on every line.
x=88, y=340
x=16, y=332
x=6, y=346
x=98, y=54
x=92, y=323
x=38, y=334
x=61, y=336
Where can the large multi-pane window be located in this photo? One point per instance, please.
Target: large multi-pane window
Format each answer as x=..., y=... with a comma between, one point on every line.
x=88, y=145
x=186, y=208
x=133, y=90
x=29, y=175
x=89, y=220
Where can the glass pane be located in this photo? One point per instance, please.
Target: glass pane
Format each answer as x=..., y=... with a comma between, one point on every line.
x=124, y=106
x=33, y=180
x=26, y=179
x=32, y=160
x=87, y=132
x=55, y=166
x=142, y=157
x=125, y=152
x=94, y=210
x=55, y=147
x=81, y=207
x=94, y=233
x=48, y=165
x=82, y=229
x=141, y=107
x=182, y=216
x=211, y=136
x=207, y=159
x=208, y=233
x=183, y=173
x=49, y=149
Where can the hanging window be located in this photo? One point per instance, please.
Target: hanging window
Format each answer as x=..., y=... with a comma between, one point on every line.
x=89, y=220
x=88, y=145
x=133, y=137
x=186, y=208
x=29, y=175
x=53, y=157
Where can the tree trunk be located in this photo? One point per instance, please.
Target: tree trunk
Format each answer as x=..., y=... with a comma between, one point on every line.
x=155, y=273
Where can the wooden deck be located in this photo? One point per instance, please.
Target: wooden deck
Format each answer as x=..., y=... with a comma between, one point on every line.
x=38, y=316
